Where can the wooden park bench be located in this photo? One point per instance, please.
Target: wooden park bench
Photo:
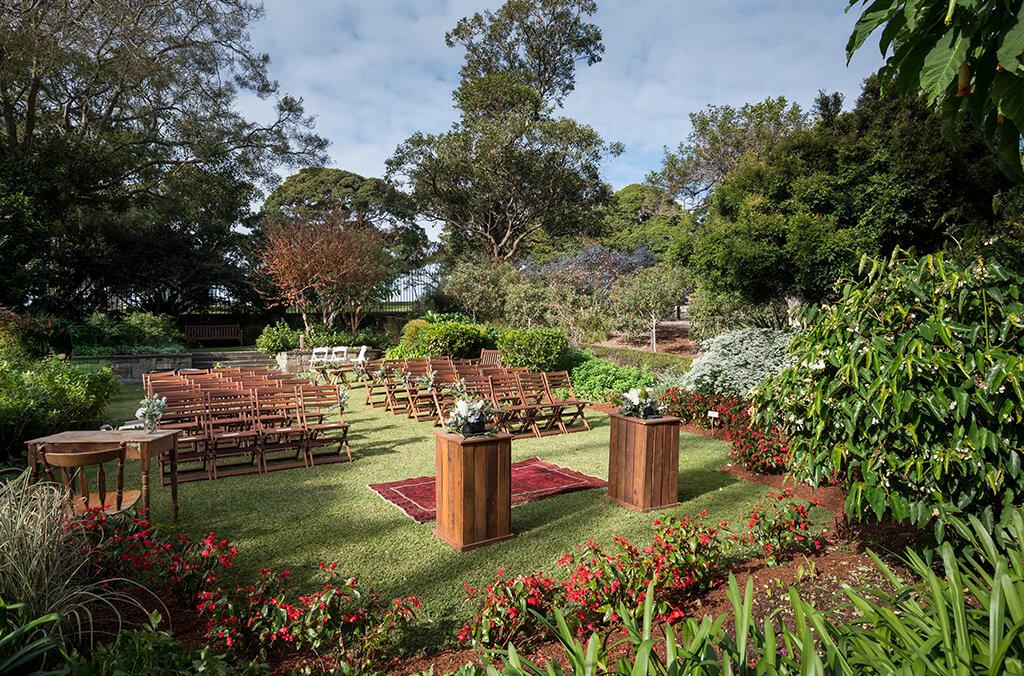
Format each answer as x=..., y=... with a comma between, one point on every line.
x=203, y=333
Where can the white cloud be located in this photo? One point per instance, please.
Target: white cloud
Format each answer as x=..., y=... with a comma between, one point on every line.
x=375, y=71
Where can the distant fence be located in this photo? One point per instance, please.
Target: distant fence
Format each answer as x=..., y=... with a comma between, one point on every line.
x=405, y=293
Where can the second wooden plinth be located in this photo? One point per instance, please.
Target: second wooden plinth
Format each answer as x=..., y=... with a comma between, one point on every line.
x=643, y=462
x=474, y=489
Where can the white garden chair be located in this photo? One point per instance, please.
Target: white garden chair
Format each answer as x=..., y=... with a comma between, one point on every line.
x=339, y=355
x=361, y=357
x=319, y=357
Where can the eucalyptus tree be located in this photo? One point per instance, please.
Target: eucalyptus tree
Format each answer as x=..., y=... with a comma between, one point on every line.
x=509, y=168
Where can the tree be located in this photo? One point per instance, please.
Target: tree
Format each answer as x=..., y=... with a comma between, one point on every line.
x=645, y=297
x=479, y=290
x=720, y=137
x=369, y=201
x=508, y=169
x=644, y=216
x=794, y=219
x=540, y=40
x=117, y=124
x=965, y=57
x=328, y=264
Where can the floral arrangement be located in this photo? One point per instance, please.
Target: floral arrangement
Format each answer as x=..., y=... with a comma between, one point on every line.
x=470, y=416
x=638, y=403
x=342, y=398
x=402, y=378
x=360, y=372
x=150, y=410
x=426, y=381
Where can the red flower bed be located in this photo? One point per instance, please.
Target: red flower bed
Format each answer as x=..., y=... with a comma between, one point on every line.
x=683, y=559
x=756, y=449
x=781, y=525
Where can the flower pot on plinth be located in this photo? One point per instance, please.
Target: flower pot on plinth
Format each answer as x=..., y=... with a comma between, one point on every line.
x=474, y=489
x=643, y=462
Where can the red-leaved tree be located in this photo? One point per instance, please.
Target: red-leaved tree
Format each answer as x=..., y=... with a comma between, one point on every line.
x=328, y=264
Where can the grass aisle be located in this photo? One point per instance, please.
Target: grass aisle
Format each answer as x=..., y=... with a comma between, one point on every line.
x=295, y=519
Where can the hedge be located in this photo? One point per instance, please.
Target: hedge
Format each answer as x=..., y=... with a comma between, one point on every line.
x=537, y=349
x=655, y=361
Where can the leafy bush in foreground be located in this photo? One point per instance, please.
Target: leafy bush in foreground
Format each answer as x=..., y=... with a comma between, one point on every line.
x=967, y=620
x=909, y=391
x=47, y=396
x=735, y=362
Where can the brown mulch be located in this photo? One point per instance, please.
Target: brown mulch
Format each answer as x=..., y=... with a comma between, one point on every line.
x=673, y=338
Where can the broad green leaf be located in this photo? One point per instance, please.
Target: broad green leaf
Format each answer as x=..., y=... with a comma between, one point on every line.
x=1012, y=47
x=942, y=64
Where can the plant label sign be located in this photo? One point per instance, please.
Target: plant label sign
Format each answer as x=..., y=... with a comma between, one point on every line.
x=713, y=415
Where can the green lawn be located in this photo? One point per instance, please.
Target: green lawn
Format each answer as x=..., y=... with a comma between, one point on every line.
x=297, y=518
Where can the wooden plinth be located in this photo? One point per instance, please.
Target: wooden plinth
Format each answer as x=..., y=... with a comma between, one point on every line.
x=643, y=462
x=474, y=489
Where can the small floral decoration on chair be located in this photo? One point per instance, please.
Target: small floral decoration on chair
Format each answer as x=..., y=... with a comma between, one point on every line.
x=638, y=403
x=150, y=410
x=470, y=416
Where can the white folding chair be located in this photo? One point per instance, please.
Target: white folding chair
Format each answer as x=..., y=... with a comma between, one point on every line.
x=361, y=357
x=319, y=357
x=338, y=355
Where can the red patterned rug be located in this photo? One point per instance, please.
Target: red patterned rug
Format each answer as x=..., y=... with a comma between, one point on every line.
x=532, y=479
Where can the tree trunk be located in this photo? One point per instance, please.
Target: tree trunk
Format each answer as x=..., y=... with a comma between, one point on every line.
x=654, y=334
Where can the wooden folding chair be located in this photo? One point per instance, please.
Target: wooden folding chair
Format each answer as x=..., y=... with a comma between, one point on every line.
x=186, y=412
x=559, y=387
x=513, y=415
x=232, y=433
x=72, y=468
x=547, y=414
x=324, y=423
x=282, y=435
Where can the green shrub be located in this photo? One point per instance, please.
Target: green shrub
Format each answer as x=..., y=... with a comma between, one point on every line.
x=455, y=340
x=32, y=336
x=411, y=332
x=149, y=651
x=537, y=349
x=656, y=361
x=432, y=317
x=908, y=391
x=47, y=396
x=734, y=362
x=279, y=337
x=712, y=313
x=601, y=380
x=135, y=333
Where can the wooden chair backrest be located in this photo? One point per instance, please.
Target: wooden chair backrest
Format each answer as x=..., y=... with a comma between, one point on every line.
x=490, y=358
x=72, y=470
x=559, y=380
x=533, y=387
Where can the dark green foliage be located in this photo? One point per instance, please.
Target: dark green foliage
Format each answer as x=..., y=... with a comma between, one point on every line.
x=443, y=339
x=654, y=361
x=438, y=317
x=135, y=333
x=537, y=349
x=645, y=216
x=148, y=651
x=49, y=395
x=964, y=57
x=24, y=643
x=279, y=337
x=793, y=219
x=909, y=391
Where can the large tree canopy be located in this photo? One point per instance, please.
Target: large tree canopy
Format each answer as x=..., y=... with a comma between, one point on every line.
x=792, y=220
x=509, y=170
x=644, y=216
x=118, y=126
x=720, y=137
x=965, y=56
x=361, y=200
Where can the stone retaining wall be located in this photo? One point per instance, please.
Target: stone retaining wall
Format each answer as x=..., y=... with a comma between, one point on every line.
x=130, y=367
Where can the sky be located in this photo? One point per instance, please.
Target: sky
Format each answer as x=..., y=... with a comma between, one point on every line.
x=375, y=71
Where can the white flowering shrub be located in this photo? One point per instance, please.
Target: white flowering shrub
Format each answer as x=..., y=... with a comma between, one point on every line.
x=735, y=362
x=909, y=391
